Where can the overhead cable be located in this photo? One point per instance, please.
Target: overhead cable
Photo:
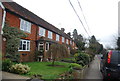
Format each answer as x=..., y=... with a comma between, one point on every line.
x=83, y=15
x=78, y=17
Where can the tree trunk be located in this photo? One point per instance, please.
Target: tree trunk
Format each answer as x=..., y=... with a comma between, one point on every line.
x=53, y=62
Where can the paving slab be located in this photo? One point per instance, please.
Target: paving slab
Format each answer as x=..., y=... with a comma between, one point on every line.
x=6, y=75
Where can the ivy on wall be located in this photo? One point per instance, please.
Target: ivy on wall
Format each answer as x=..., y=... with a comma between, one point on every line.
x=13, y=36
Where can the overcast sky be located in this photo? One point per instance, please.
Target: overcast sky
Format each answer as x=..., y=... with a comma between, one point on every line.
x=101, y=16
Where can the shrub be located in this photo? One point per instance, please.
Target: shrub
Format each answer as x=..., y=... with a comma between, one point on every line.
x=13, y=36
x=73, y=51
x=82, y=58
x=69, y=60
x=91, y=57
x=81, y=62
x=75, y=66
x=20, y=69
x=6, y=64
x=14, y=58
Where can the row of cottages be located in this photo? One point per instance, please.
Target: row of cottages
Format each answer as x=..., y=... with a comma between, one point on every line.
x=41, y=34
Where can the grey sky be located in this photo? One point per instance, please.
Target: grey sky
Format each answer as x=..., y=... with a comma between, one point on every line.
x=101, y=16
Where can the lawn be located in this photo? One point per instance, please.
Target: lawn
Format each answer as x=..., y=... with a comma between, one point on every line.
x=47, y=72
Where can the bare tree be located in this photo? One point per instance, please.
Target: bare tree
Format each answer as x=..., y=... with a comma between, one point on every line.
x=57, y=52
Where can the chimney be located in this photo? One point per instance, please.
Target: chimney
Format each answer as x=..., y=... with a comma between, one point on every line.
x=62, y=29
x=69, y=33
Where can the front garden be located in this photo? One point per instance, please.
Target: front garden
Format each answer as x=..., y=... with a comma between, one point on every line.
x=45, y=70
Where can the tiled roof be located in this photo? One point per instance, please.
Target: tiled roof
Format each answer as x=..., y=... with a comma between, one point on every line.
x=28, y=15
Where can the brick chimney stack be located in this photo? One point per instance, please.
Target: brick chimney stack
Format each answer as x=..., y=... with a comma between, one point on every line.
x=62, y=29
x=69, y=33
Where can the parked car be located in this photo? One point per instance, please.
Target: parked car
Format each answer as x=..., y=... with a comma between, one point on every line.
x=110, y=65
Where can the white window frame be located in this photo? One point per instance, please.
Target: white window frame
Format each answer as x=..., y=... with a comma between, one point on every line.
x=40, y=44
x=57, y=37
x=71, y=42
x=66, y=41
x=47, y=46
x=63, y=39
x=50, y=36
x=27, y=46
x=42, y=31
x=25, y=26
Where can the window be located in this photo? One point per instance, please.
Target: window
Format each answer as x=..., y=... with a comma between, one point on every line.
x=24, y=45
x=57, y=37
x=25, y=26
x=50, y=34
x=41, y=31
x=71, y=42
x=41, y=46
x=66, y=41
x=63, y=39
x=47, y=46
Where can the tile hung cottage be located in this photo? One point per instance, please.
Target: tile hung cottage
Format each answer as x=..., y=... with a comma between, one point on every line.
x=41, y=34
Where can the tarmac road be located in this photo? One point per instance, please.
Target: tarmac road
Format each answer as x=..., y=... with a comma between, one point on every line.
x=93, y=71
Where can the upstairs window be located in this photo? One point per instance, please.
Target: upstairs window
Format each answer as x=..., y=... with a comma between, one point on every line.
x=66, y=41
x=50, y=35
x=71, y=42
x=24, y=45
x=41, y=31
x=25, y=26
x=63, y=39
x=57, y=37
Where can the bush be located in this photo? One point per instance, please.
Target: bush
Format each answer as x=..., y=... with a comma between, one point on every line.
x=6, y=64
x=69, y=60
x=73, y=51
x=14, y=58
x=81, y=62
x=75, y=66
x=20, y=69
x=91, y=57
x=82, y=58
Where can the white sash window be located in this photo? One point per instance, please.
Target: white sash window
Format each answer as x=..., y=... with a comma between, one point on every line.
x=41, y=31
x=25, y=26
x=63, y=39
x=50, y=35
x=57, y=37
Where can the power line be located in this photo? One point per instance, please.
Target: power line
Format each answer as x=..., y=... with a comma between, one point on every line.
x=83, y=15
x=79, y=18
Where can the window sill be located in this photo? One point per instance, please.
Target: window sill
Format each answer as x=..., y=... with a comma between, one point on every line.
x=25, y=31
x=24, y=50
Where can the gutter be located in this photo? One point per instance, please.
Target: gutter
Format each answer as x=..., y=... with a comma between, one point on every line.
x=4, y=15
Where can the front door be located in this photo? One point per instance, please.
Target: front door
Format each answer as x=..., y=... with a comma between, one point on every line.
x=41, y=51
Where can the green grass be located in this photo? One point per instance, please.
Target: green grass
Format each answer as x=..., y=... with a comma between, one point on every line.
x=47, y=72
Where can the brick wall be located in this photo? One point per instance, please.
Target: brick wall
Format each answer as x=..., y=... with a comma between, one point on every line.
x=14, y=21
